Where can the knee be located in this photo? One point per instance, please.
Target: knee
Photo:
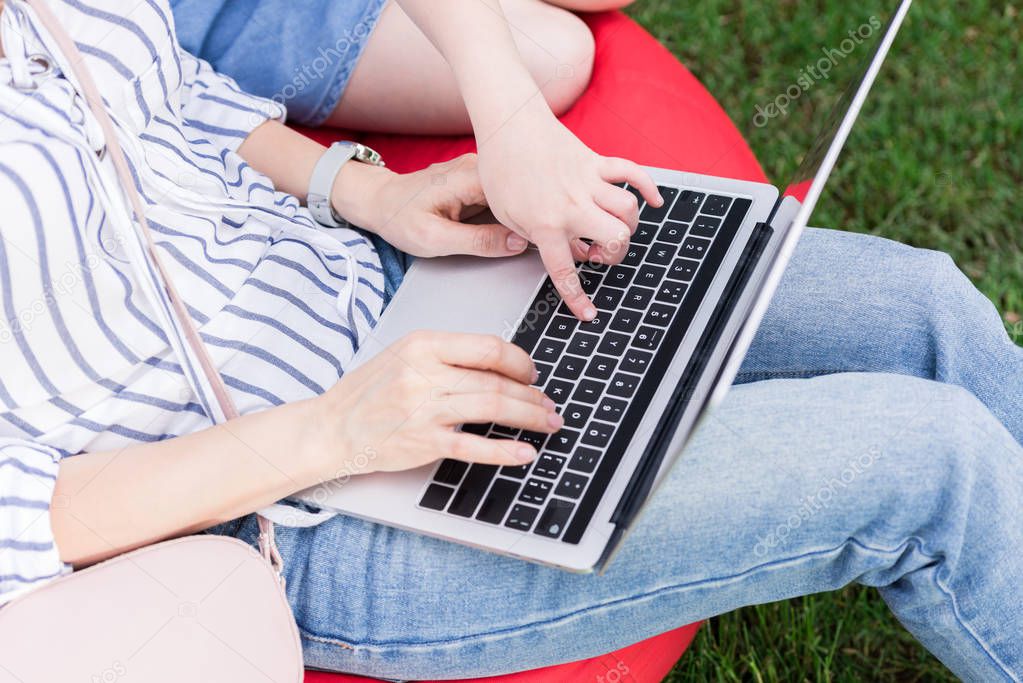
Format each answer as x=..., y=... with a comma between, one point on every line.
x=559, y=53
x=937, y=274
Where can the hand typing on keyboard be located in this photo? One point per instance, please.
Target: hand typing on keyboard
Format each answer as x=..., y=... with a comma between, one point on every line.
x=401, y=409
x=543, y=183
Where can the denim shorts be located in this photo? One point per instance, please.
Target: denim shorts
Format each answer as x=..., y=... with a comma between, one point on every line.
x=300, y=54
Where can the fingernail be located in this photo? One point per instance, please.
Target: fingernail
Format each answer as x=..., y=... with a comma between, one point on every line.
x=589, y=313
x=549, y=404
x=516, y=242
x=536, y=376
x=555, y=420
x=525, y=454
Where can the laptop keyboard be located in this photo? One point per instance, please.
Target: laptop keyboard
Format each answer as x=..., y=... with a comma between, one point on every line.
x=602, y=374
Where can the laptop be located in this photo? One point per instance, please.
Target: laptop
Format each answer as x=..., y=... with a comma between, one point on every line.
x=675, y=320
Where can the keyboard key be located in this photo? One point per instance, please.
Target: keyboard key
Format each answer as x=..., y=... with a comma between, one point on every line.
x=504, y=432
x=497, y=502
x=652, y=215
x=635, y=255
x=588, y=391
x=650, y=275
x=638, y=298
x=661, y=254
x=659, y=314
x=584, y=460
x=518, y=472
x=590, y=281
x=521, y=517
x=534, y=439
x=644, y=233
x=716, y=205
x=601, y=367
x=477, y=429
x=470, y=493
x=706, y=226
x=436, y=496
x=612, y=409
x=576, y=415
x=598, y=434
x=549, y=351
x=535, y=491
x=636, y=361
x=671, y=292
x=548, y=465
x=583, y=344
x=554, y=518
x=625, y=320
x=543, y=371
x=623, y=385
x=562, y=441
x=648, y=338
x=608, y=298
x=686, y=207
x=562, y=327
x=619, y=276
x=694, y=247
x=570, y=367
x=672, y=232
x=683, y=269
x=558, y=390
x=597, y=325
x=572, y=485
x=613, y=344
x=450, y=471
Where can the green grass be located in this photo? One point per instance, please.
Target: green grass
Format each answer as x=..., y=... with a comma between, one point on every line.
x=934, y=161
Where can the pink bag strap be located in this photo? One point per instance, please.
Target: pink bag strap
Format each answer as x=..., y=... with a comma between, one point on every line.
x=267, y=546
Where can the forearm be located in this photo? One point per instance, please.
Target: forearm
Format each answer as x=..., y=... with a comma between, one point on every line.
x=476, y=40
x=109, y=502
x=288, y=159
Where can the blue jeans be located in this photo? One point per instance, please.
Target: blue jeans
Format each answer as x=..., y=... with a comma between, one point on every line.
x=301, y=54
x=874, y=438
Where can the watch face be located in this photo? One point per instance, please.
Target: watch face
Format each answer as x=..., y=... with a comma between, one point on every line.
x=367, y=155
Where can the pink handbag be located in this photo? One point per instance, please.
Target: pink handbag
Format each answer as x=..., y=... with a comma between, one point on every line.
x=205, y=609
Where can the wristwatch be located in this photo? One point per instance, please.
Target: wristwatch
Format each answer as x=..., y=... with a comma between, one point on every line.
x=324, y=174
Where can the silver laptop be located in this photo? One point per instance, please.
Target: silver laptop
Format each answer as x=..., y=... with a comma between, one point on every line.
x=676, y=318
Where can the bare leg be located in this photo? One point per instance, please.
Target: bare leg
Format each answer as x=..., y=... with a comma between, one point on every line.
x=402, y=84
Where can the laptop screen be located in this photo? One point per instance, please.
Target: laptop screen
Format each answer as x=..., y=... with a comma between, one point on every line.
x=860, y=54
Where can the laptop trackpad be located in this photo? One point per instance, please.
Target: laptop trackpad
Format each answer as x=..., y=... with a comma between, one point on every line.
x=457, y=294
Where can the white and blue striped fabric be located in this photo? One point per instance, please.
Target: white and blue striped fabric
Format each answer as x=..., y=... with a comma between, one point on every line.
x=84, y=364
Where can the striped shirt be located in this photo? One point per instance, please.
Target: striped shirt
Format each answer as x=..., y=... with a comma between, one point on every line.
x=84, y=365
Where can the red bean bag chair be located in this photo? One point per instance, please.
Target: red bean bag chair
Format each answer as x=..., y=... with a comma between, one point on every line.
x=641, y=104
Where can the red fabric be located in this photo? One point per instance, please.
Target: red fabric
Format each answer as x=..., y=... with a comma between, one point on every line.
x=643, y=105
x=648, y=661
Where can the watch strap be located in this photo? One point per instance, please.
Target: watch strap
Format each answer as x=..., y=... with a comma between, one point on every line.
x=322, y=183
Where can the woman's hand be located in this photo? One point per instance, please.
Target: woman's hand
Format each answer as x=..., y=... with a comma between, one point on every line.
x=549, y=187
x=400, y=410
x=421, y=213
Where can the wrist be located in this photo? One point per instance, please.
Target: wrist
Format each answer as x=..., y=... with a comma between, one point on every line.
x=329, y=443
x=515, y=101
x=354, y=191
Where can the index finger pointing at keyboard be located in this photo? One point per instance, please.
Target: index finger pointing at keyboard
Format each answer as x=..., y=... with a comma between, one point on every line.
x=560, y=265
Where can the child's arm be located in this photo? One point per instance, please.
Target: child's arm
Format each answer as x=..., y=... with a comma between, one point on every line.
x=539, y=179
